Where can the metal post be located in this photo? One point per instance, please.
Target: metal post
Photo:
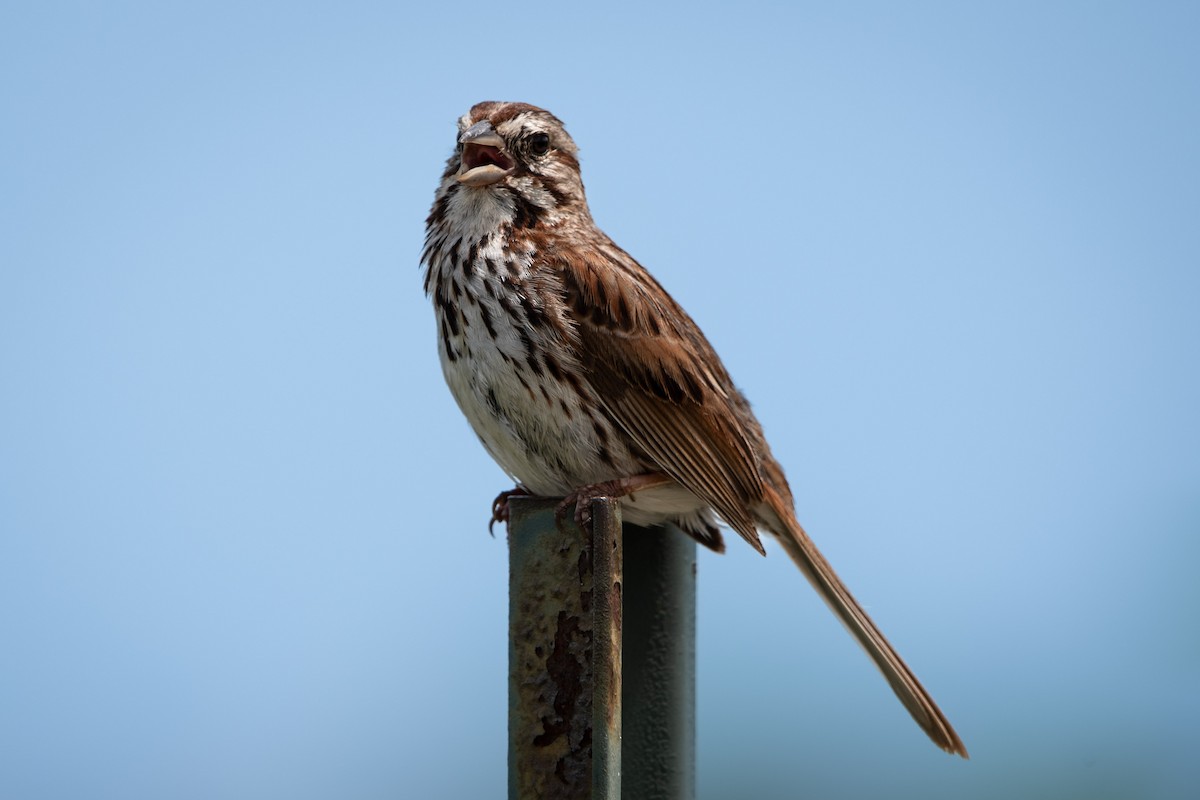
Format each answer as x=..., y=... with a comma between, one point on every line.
x=564, y=655
x=574, y=684
x=659, y=695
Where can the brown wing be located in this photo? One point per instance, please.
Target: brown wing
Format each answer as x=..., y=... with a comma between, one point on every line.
x=662, y=382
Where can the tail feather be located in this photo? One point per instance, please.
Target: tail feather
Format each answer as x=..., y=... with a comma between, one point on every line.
x=903, y=682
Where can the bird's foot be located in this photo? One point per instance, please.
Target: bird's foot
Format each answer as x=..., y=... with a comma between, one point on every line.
x=582, y=497
x=500, y=510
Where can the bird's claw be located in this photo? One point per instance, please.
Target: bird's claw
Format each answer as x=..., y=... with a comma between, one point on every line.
x=582, y=499
x=500, y=509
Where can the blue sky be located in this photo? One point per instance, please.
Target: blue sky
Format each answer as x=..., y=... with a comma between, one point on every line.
x=950, y=251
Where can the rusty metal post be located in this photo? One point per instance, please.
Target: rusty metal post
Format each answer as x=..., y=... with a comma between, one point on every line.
x=564, y=657
x=602, y=683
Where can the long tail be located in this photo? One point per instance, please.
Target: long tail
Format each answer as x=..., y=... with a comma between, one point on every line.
x=903, y=682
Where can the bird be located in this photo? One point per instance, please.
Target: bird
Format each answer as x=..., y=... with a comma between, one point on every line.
x=582, y=377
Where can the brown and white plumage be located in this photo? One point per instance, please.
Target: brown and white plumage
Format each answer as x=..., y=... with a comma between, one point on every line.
x=575, y=367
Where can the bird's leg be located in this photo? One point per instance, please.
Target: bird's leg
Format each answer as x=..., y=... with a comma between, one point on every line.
x=621, y=487
x=500, y=510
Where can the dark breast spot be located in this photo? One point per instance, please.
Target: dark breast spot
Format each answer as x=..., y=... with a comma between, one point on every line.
x=552, y=366
x=531, y=352
x=492, y=403
x=605, y=455
x=446, y=310
x=533, y=314
x=486, y=316
x=451, y=355
x=527, y=214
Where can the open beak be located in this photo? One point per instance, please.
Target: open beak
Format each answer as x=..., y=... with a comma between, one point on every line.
x=484, y=161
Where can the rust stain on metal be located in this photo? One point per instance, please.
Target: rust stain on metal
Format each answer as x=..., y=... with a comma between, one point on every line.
x=613, y=704
x=566, y=672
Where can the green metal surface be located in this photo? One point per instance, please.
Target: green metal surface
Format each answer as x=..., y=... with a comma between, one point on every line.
x=658, y=749
x=602, y=649
x=564, y=690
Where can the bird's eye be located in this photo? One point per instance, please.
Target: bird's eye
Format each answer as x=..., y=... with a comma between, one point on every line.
x=539, y=144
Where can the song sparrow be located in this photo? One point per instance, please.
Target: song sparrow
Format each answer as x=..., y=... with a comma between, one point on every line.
x=583, y=377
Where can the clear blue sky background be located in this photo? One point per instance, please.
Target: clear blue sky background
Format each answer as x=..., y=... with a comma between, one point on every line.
x=951, y=251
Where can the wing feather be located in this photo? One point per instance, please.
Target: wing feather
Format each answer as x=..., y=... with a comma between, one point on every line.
x=654, y=370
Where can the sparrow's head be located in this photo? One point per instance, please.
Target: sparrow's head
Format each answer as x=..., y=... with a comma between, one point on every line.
x=518, y=147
